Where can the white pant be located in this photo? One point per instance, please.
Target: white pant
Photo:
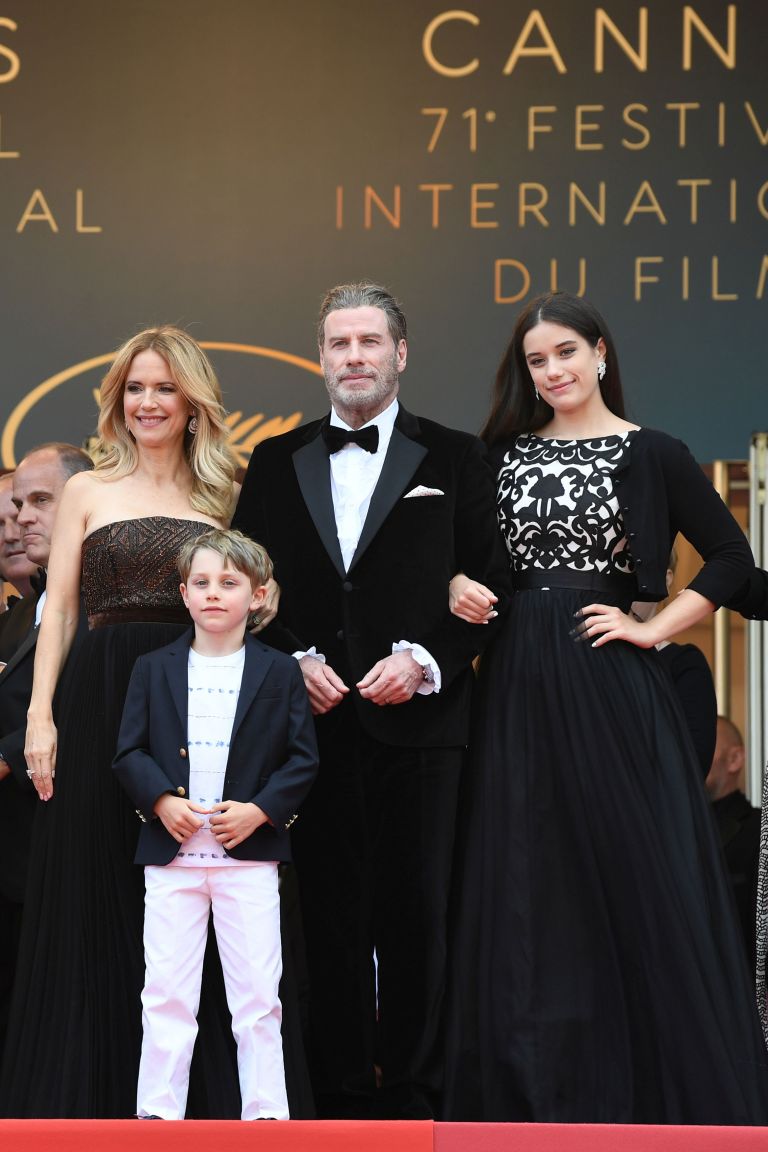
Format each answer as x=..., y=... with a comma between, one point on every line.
x=246, y=917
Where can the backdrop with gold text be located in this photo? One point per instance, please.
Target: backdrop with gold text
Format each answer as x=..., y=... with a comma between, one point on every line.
x=220, y=165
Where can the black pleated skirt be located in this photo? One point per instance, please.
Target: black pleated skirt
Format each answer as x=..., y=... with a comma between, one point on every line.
x=597, y=970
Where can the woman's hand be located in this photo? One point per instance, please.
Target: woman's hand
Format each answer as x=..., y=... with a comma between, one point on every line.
x=599, y=623
x=471, y=601
x=268, y=609
x=40, y=754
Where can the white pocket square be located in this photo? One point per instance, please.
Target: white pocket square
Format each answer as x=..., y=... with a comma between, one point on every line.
x=422, y=491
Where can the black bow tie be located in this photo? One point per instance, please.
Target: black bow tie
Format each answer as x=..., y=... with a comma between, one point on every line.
x=335, y=438
x=38, y=582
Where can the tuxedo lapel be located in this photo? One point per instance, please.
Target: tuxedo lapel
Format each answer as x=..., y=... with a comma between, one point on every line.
x=15, y=625
x=403, y=458
x=29, y=642
x=176, y=664
x=314, y=476
x=257, y=663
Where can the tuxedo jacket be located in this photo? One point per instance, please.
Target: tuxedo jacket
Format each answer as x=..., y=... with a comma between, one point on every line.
x=18, y=799
x=272, y=756
x=15, y=624
x=396, y=587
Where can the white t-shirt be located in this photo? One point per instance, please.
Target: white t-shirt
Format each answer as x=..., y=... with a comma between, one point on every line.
x=213, y=687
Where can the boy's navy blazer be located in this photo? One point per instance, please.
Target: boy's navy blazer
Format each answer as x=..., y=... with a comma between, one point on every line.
x=272, y=757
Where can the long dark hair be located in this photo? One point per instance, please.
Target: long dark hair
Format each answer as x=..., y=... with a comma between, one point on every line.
x=514, y=407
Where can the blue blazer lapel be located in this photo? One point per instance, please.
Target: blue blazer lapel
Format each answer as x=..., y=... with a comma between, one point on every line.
x=403, y=458
x=176, y=662
x=314, y=476
x=257, y=663
x=29, y=641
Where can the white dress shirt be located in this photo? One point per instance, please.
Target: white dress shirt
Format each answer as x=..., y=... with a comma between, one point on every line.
x=39, y=607
x=354, y=476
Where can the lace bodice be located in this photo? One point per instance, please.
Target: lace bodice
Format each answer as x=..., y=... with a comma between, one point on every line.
x=556, y=504
x=131, y=565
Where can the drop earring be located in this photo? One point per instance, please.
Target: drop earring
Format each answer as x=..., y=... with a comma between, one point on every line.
x=600, y=368
x=192, y=426
x=536, y=392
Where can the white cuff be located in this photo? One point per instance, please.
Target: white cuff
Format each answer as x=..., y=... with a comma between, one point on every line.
x=313, y=652
x=422, y=656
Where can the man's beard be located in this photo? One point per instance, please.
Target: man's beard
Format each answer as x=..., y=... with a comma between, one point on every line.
x=382, y=385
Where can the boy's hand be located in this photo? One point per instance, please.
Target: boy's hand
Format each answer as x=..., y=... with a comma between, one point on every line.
x=234, y=821
x=178, y=815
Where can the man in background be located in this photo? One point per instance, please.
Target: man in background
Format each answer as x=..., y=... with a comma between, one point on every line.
x=738, y=824
x=37, y=487
x=15, y=569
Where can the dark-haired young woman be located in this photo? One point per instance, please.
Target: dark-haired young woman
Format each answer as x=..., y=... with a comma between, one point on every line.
x=598, y=972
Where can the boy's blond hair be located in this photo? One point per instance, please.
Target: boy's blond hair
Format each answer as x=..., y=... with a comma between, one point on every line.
x=242, y=553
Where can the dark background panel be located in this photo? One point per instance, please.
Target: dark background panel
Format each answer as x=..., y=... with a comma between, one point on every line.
x=209, y=141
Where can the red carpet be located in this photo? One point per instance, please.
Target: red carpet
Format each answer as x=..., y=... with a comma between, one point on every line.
x=351, y=1136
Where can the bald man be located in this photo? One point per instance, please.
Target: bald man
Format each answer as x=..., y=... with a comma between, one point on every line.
x=37, y=486
x=15, y=569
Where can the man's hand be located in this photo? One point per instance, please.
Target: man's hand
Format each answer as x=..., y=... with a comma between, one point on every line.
x=233, y=821
x=324, y=687
x=392, y=680
x=268, y=609
x=179, y=816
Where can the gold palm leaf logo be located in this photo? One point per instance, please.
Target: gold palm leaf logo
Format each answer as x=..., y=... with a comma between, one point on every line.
x=245, y=432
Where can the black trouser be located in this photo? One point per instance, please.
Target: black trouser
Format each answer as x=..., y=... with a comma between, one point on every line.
x=374, y=850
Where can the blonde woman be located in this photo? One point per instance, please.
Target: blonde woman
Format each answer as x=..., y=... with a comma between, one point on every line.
x=165, y=475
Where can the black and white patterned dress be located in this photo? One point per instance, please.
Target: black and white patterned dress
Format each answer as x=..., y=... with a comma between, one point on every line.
x=598, y=973
x=557, y=507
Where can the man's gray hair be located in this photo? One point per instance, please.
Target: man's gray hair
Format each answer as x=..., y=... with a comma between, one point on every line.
x=363, y=295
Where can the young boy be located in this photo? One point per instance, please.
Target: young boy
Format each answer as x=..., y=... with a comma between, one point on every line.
x=217, y=750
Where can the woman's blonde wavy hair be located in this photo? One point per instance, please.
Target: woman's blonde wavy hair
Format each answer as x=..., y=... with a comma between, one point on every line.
x=210, y=460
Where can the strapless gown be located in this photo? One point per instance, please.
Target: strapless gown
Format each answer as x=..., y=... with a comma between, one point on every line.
x=75, y=1031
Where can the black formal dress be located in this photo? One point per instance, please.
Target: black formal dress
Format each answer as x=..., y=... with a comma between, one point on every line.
x=75, y=1029
x=598, y=974
x=18, y=799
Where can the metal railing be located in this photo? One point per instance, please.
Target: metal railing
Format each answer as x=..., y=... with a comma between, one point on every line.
x=757, y=631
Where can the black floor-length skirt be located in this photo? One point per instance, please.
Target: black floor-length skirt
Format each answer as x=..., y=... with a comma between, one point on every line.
x=597, y=970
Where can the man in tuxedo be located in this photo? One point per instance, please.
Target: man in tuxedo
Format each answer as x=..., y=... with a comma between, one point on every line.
x=367, y=515
x=37, y=486
x=14, y=568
